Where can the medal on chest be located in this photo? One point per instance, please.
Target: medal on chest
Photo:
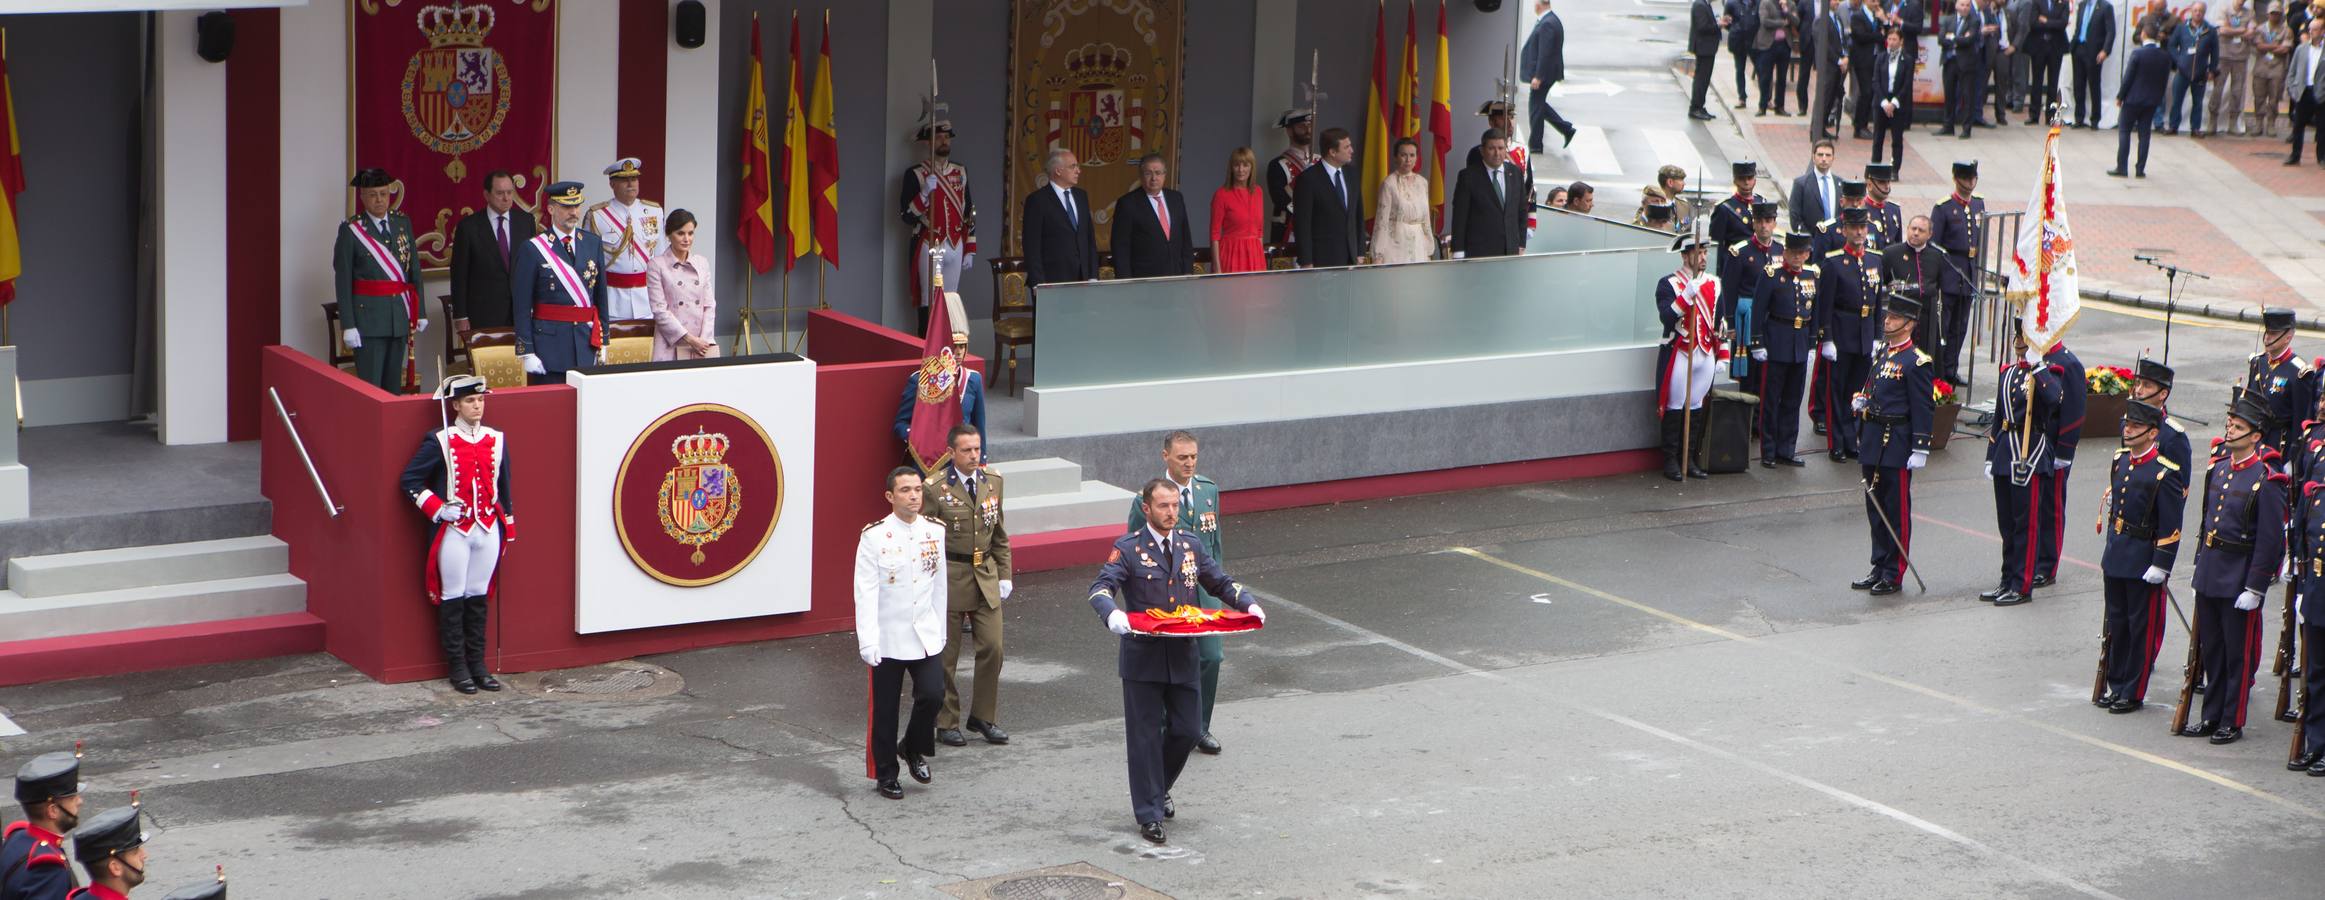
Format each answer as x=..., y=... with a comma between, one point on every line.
x=1187, y=568
x=990, y=509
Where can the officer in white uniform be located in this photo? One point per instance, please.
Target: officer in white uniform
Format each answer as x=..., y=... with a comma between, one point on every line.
x=632, y=231
x=900, y=628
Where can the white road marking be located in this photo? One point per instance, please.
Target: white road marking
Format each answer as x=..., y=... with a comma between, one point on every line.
x=1673, y=148
x=1591, y=153
x=8, y=728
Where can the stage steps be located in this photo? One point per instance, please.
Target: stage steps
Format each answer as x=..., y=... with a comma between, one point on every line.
x=1049, y=495
x=174, y=604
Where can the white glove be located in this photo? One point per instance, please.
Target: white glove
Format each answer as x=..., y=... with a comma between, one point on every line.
x=533, y=365
x=601, y=356
x=871, y=655
x=1917, y=460
x=2033, y=359
x=422, y=325
x=353, y=338
x=1006, y=587
x=450, y=512
x=1859, y=402
x=2060, y=465
x=1989, y=470
x=1460, y=254
x=968, y=261
x=1118, y=622
x=1759, y=354
x=2248, y=601
x=1257, y=613
x=927, y=185
x=1831, y=352
x=2154, y=575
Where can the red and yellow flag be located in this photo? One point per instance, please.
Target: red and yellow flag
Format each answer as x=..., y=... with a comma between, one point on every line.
x=823, y=156
x=936, y=398
x=1405, y=116
x=11, y=184
x=798, y=223
x=1376, y=115
x=1440, y=120
x=757, y=229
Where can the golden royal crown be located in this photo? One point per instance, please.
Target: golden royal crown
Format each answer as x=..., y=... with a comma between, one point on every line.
x=699, y=449
x=455, y=25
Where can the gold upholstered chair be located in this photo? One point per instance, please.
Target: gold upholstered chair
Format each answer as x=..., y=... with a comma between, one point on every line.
x=1012, y=313
x=629, y=341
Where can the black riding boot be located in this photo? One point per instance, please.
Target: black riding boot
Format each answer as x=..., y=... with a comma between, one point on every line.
x=1671, y=425
x=475, y=634
x=1700, y=417
x=451, y=633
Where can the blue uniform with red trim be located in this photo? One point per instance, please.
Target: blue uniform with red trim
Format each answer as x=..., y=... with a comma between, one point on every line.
x=2021, y=444
x=2307, y=538
x=2146, y=494
x=1900, y=404
x=2242, y=544
x=33, y=865
x=2052, y=523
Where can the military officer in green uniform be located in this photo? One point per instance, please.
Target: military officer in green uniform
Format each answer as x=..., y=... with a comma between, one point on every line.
x=375, y=270
x=968, y=502
x=1199, y=518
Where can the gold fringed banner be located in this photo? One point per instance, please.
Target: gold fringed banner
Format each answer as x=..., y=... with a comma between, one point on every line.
x=1098, y=77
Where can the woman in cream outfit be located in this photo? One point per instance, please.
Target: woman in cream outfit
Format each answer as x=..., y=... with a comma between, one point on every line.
x=678, y=287
x=1402, y=233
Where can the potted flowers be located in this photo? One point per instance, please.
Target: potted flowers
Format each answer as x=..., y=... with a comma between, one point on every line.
x=1941, y=421
x=2110, y=393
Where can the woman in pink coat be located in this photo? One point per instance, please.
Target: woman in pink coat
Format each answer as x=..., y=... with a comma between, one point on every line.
x=678, y=286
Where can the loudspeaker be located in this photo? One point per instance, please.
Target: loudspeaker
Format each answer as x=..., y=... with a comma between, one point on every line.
x=214, y=36
x=688, y=23
x=1486, y=6
x=1725, y=445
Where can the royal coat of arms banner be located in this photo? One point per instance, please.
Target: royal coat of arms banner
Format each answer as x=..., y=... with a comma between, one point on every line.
x=442, y=93
x=1100, y=78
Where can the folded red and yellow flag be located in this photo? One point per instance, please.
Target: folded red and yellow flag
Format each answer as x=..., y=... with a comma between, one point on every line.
x=1191, y=621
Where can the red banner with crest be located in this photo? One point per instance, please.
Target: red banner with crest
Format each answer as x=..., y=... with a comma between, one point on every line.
x=445, y=92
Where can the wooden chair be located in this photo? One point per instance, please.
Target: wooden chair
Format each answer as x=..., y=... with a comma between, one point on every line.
x=1012, y=312
x=629, y=341
x=1105, y=265
x=493, y=353
x=341, y=355
x=1202, y=260
x=1280, y=256
x=455, y=348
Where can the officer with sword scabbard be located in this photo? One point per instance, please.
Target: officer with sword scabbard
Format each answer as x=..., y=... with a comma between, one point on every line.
x=2140, y=519
x=1894, y=412
x=2243, y=543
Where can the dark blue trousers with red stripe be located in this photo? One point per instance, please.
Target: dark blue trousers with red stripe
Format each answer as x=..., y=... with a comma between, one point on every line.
x=1892, y=496
x=2016, y=511
x=2135, y=616
x=2229, y=640
x=2050, y=523
x=2312, y=689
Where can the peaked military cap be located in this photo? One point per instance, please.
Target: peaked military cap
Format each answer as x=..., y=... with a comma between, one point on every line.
x=371, y=178
x=1293, y=117
x=2143, y=414
x=49, y=776
x=2249, y=407
x=1856, y=215
x=1902, y=305
x=1797, y=240
x=625, y=167
x=2150, y=370
x=109, y=833
x=1766, y=209
x=1853, y=190
x=2276, y=319
x=1967, y=168
x=1880, y=172
x=564, y=193
x=1744, y=169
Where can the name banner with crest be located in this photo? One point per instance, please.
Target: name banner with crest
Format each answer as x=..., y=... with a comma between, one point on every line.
x=1101, y=78
x=442, y=92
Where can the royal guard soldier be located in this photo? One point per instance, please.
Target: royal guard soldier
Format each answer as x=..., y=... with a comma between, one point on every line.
x=2051, y=522
x=110, y=847
x=1299, y=127
x=2308, y=549
x=32, y=851
x=1199, y=519
x=1784, y=339
x=2285, y=383
x=374, y=273
x=557, y=292
x=1688, y=303
x=937, y=207
x=459, y=478
x=1888, y=218
x=1731, y=219
x=2151, y=383
x=2019, y=444
x=1159, y=567
x=900, y=629
x=2243, y=543
x=1954, y=226
x=1894, y=411
x=631, y=230
x=2140, y=519
x=1849, y=289
x=966, y=500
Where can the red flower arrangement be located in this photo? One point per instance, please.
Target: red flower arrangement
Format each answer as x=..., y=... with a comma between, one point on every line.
x=1943, y=391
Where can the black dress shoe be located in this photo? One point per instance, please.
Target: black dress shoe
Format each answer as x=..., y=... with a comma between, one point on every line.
x=2118, y=173
x=1567, y=136
x=2199, y=729
x=2139, y=174
x=1152, y=832
x=488, y=682
x=1992, y=595
x=464, y=685
x=1701, y=116
x=2227, y=734
x=2125, y=705
x=2042, y=581
x=1696, y=471
x=1870, y=579
x=891, y=790
x=1170, y=810
x=951, y=737
x=916, y=766
x=2290, y=715
x=2012, y=598
x=2104, y=700
x=1947, y=131
x=2318, y=770
x=2304, y=761
x=1819, y=427
x=1793, y=461
x=993, y=733
x=1883, y=589
x=2200, y=686
x=1766, y=463
x=1209, y=744
x=1862, y=135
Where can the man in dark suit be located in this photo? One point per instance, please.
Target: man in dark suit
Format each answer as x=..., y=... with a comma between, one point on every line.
x=1742, y=20
x=1489, y=203
x=1962, y=37
x=1892, y=97
x=1910, y=18
x=1542, y=63
x=2141, y=91
x=1703, y=40
x=1830, y=36
x=2094, y=37
x=2305, y=88
x=2046, y=44
x=1150, y=227
x=1328, y=208
x=557, y=292
x=1061, y=244
x=1158, y=567
x=1816, y=194
x=483, y=246
x=1865, y=29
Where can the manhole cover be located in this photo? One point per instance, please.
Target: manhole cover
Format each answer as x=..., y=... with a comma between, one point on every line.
x=623, y=680
x=619, y=681
x=1057, y=887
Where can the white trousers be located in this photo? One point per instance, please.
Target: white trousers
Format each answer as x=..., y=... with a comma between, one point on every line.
x=465, y=562
x=1677, y=394
x=627, y=303
x=952, y=272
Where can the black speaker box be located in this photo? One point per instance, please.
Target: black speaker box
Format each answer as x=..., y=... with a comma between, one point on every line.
x=214, y=36
x=688, y=24
x=1725, y=446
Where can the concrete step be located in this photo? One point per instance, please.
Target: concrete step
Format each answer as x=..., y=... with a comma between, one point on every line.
x=92, y=571
x=28, y=618
x=1034, y=477
x=1092, y=503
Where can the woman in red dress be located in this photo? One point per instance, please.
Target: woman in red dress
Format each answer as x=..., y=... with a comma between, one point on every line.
x=1236, y=219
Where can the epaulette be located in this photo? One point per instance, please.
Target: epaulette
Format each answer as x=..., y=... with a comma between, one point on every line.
x=2119, y=451
x=2280, y=478
x=645, y=202
x=1828, y=223
x=2309, y=488
x=594, y=207
x=2057, y=369
x=2303, y=365
x=1738, y=247
x=1809, y=268
x=1206, y=479
x=1974, y=195
x=2167, y=461
x=1922, y=357
x=2216, y=442
x=2175, y=423
x=2267, y=453
x=1836, y=251
x=875, y=524
x=55, y=857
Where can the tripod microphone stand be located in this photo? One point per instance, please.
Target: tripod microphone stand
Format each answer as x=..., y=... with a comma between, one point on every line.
x=2172, y=287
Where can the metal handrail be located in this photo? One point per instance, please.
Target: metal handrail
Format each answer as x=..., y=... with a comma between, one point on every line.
x=293, y=428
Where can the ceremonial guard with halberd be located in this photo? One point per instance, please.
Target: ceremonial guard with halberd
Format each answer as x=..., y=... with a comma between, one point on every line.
x=631, y=229
x=1299, y=127
x=374, y=274
x=900, y=629
x=1784, y=339
x=1198, y=517
x=2285, y=383
x=459, y=478
x=1894, y=413
x=2020, y=442
x=1849, y=285
x=2243, y=543
x=2051, y=521
x=966, y=500
x=1731, y=218
x=1888, y=218
x=1688, y=303
x=936, y=205
x=2140, y=519
x=32, y=850
x=558, y=292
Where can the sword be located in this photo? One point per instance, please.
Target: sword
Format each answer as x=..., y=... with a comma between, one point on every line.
x=1886, y=525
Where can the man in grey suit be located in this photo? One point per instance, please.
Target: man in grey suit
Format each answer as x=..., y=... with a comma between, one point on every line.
x=1830, y=34
x=1542, y=63
x=2305, y=87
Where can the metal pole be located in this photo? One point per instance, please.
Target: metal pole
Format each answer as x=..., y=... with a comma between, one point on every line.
x=304, y=457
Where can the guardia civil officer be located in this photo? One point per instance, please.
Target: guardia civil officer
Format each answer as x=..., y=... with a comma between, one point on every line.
x=2243, y=543
x=2051, y=521
x=2286, y=384
x=1199, y=517
x=2019, y=443
x=1158, y=567
x=1784, y=338
x=32, y=850
x=1894, y=414
x=1849, y=302
x=2146, y=492
x=900, y=628
x=375, y=270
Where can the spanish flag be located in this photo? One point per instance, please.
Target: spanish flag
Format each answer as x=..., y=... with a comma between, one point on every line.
x=823, y=155
x=1376, y=115
x=797, y=223
x=1405, y=115
x=11, y=184
x=757, y=229
x=1440, y=121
